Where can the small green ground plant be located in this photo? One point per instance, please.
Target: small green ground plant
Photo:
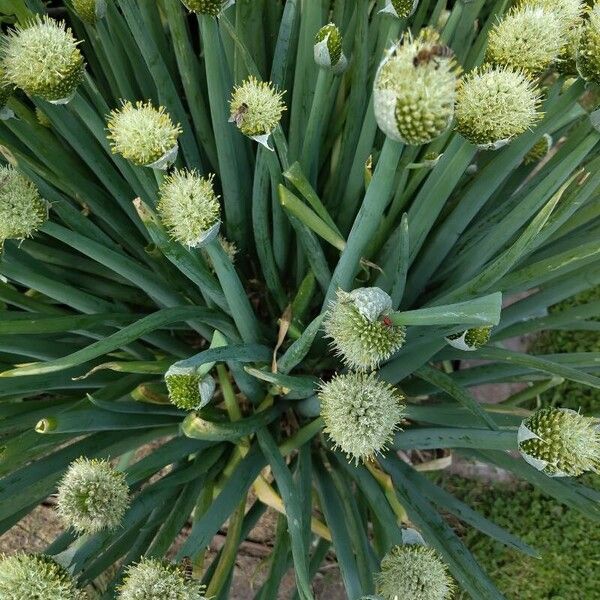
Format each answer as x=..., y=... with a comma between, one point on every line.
x=245, y=245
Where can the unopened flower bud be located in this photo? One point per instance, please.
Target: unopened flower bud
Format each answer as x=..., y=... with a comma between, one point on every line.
x=360, y=330
x=328, y=49
x=360, y=413
x=400, y=8
x=495, y=104
x=539, y=150
x=560, y=442
x=43, y=59
x=189, y=208
x=588, y=51
x=189, y=390
x=471, y=339
x=208, y=7
x=415, y=88
x=92, y=496
x=90, y=11
x=144, y=135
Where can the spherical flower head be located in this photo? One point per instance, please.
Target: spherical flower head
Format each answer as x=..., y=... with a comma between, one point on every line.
x=256, y=108
x=415, y=88
x=528, y=38
x=414, y=572
x=569, y=11
x=495, y=104
x=588, y=51
x=400, y=8
x=567, y=60
x=189, y=390
x=471, y=339
x=6, y=88
x=90, y=11
x=22, y=209
x=360, y=413
x=560, y=442
x=189, y=208
x=143, y=134
x=328, y=49
x=29, y=576
x=207, y=7
x=359, y=328
x=539, y=150
x=43, y=60
x=92, y=496
x=153, y=579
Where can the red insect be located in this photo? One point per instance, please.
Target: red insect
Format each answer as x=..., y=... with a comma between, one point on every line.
x=387, y=321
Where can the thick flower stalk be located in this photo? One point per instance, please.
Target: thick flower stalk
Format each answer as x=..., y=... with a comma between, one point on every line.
x=30, y=576
x=92, y=496
x=415, y=88
x=208, y=7
x=360, y=413
x=22, y=209
x=90, y=11
x=144, y=135
x=360, y=332
x=328, y=50
x=495, y=104
x=588, y=50
x=189, y=208
x=153, y=579
x=43, y=59
x=471, y=339
x=189, y=390
x=414, y=572
x=529, y=38
x=400, y=8
x=560, y=442
x=256, y=108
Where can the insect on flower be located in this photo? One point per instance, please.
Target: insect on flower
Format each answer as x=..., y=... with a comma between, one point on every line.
x=432, y=53
x=238, y=116
x=387, y=321
x=186, y=567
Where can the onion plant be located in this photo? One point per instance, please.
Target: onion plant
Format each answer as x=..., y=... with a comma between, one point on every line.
x=256, y=254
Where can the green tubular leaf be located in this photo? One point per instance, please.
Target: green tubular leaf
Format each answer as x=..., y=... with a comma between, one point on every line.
x=296, y=353
x=300, y=386
x=454, y=437
x=31, y=323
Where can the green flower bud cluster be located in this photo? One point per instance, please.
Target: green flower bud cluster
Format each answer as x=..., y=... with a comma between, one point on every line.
x=415, y=88
x=360, y=413
x=471, y=339
x=414, y=572
x=144, y=135
x=43, y=59
x=187, y=389
x=153, y=579
x=189, y=208
x=328, y=49
x=22, y=209
x=36, y=576
x=208, y=7
x=588, y=51
x=92, y=496
x=495, y=104
x=560, y=442
x=90, y=11
x=539, y=150
x=400, y=8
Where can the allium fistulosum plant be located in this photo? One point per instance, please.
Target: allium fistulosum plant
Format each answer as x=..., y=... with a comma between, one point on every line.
x=258, y=253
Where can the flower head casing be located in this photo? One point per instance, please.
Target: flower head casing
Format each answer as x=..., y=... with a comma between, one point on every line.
x=495, y=104
x=470, y=339
x=189, y=208
x=90, y=11
x=588, y=50
x=328, y=49
x=539, y=150
x=402, y=9
x=152, y=579
x=43, y=59
x=92, y=496
x=208, y=7
x=415, y=88
x=414, y=572
x=22, y=209
x=188, y=390
x=143, y=134
x=28, y=576
x=358, y=328
x=360, y=413
x=560, y=442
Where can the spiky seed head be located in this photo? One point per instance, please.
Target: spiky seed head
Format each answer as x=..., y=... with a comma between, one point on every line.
x=560, y=442
x=569, y=11
x=471, y=339
x=360, y=413
x=152, y=579
x=414, y=90
x=143, y=134
x=588, y=51
x=414, y=572
x=206, y=7
x=567, y=60
x=29, y=576
x=189, y=208
x=400, y=8
x=90, y=11
x=188, y=390
x=43, y=59
x=495, y=104
x=527, y=38
x=359, y=331
x=539, y=150
x=256, y=108
x=6, y=88
x=328, y=48
x=92, y=496
x=229, y=247
x=22, y=209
